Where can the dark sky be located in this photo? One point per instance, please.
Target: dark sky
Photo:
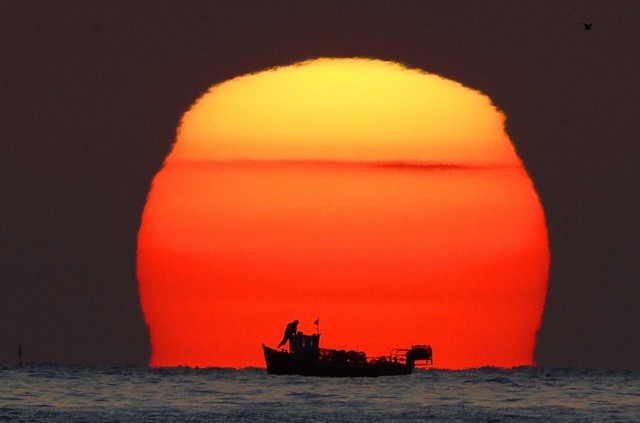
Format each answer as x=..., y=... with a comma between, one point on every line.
x=91, y=94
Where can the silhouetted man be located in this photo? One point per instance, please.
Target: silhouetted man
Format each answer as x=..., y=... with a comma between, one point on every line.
x=289, y=331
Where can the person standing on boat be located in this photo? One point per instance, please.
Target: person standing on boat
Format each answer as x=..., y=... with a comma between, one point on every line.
x=289, y=331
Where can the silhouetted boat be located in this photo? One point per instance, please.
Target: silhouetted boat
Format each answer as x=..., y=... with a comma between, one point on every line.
x=306, y=358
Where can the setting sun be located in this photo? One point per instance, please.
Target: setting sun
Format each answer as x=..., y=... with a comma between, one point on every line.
x=346, y=110
x=387, y=201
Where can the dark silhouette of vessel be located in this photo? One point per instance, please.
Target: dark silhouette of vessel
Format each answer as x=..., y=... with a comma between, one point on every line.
x=306, y=358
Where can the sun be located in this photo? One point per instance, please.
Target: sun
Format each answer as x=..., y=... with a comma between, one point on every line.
x=388, y=201
x=345, y=110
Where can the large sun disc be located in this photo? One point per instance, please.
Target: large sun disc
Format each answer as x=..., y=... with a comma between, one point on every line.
x=388, y=201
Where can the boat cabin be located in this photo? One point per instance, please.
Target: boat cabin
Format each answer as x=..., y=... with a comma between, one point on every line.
x=305, y=345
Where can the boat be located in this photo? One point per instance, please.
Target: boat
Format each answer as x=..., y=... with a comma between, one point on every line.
x=306, y=358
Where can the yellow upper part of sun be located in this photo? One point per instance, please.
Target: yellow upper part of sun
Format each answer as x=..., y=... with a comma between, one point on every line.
x=344, y=110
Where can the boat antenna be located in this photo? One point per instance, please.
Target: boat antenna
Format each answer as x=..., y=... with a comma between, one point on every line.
x=20, y=353
x=317, y=323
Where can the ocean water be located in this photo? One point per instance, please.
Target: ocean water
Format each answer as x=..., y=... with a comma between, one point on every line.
x=84, y=394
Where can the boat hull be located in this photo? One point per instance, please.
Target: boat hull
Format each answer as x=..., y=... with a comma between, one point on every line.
x=285, y=363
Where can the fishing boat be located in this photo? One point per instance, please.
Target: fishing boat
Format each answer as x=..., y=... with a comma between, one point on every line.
x=306, y=358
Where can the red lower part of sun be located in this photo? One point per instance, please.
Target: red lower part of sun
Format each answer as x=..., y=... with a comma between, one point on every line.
x=386, y=256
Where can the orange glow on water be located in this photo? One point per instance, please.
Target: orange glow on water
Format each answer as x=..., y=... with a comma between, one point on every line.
x=288, y=196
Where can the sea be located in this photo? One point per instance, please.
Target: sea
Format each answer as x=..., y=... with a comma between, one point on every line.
x=57, y=393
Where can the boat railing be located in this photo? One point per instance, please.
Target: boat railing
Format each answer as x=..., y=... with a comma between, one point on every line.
x=391, y=358
x=343, y=356
x=421, y=355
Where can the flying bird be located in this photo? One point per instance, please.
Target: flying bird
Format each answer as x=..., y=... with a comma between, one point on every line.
x=587, y=25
